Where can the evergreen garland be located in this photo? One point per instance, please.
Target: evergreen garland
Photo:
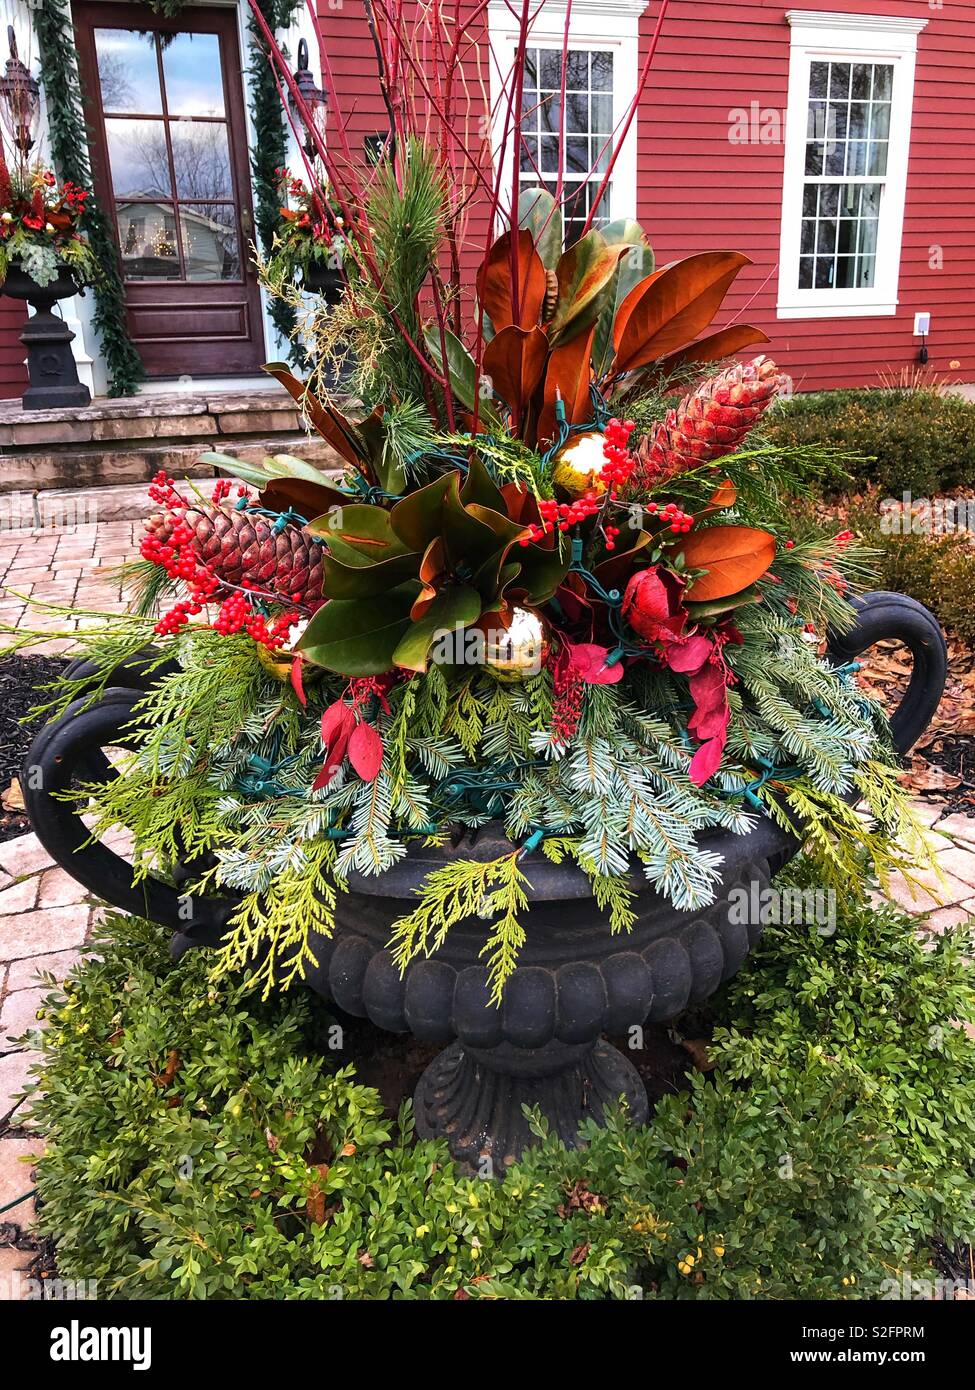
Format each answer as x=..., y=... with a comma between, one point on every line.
x=270, y=153
x=69, y=151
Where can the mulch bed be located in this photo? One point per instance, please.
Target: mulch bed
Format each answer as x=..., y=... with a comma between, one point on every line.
x=20, y=680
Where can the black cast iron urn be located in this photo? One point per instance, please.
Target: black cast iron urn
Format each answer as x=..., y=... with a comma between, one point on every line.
x=546, y=1045
x=54, y=381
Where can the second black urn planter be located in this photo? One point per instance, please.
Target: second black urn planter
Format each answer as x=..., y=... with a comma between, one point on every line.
x=576, y=982
x=54, y=381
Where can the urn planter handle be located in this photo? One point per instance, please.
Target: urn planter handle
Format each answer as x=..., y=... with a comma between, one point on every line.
x=881, y=617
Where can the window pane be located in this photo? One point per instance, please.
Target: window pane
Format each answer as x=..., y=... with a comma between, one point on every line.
x=816, y=123
x=860, y=89
x=577, y=156
x=529, y=152
x=147, y=238
x=846, y=237
x=867, y=269
x=856, y=163
x=602, y=115
x=826, y=238
x=880, y=120
x=128, y=72
x=835, y=158
x=806, y=273
x=577, y=71
x=809, y=200
x=824, y=272
x=210, y=242
x=139, y=158
x=814, y=157
x=818, y=79
x=602, y=72
x=576, y=112
x=859, y=120
x=883, y=82
x=201, y=159
x=867, y=237
x=551, y=70
x=878, y=157
x=829, y=196
x=839, y=80
x=845, y=277
x=808, y=237
x=194, y=78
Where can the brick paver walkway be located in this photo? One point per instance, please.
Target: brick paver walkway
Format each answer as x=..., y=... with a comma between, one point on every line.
x=45, y=917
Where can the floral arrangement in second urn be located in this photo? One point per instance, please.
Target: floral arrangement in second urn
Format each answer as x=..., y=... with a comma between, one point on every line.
x=551, y=584
x=40, y=224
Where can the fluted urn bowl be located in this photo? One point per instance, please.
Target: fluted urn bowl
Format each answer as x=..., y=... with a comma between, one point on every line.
x=576, y=982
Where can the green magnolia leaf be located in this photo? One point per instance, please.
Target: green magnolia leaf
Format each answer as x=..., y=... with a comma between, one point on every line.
x=715, y=607
x=585, y=278
x=461, y=371
x=418, y=518
x=357, y=637
x=636, y=265
x=247, y=472
x=358, y=580
x=287, y=466
x=363, y=529
x=456, y=607
x=480, y=487
x=542, y=570
x=539, y=214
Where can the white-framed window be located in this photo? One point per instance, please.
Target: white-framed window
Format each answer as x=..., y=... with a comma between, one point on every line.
x=601, y=77
x=848, y=130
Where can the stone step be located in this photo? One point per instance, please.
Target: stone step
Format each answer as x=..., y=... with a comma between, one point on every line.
x=97, y=465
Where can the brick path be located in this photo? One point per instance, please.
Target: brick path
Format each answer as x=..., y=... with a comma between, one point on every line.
x=45, y=917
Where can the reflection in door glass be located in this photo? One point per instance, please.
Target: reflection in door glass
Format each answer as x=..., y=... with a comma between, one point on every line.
x=210, y=242
x=139, y=158
x=128, y=72
x=201, y=159
x=194, y=81
x=147, y=239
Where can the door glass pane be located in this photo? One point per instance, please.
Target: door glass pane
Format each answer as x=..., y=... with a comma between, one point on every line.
x=147, y=238
x=201, y=159
x=138, y=157
x=128, y=72
x=194, y=78
x=210, y=242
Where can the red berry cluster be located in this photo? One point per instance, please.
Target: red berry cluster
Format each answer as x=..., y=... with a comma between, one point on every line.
x=562, y=516
x=672, y=516
x=568, y=688
x=236, y=615
x=161, y=490
x=620, y=463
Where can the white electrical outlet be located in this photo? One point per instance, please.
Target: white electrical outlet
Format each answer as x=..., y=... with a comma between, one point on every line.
x=922, y=325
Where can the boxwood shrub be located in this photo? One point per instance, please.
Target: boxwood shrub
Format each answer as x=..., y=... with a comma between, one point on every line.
x=906, y=440
x=204, y=1145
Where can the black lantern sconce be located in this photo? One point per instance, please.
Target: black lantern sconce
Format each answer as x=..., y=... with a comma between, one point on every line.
x=20, y=99
x=314, y=98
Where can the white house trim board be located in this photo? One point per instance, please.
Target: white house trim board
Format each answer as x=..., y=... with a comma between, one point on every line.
x=608, y=25
x=819, y=36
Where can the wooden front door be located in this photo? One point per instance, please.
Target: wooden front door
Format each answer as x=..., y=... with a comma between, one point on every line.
x=164, y=101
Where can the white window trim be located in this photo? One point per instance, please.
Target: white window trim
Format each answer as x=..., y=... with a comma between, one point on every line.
x=819, y=36
x=608, y=25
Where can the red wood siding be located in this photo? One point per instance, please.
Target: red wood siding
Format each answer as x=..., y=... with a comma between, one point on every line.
x=13, y=373
x=697, y=191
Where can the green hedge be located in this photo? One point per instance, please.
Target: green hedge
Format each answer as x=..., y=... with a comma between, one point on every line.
x=202, y=1145
x=918, y=441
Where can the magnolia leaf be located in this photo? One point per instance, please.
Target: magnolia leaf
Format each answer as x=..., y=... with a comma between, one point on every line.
x=495, y=283
x=569, y=375
x=366, y=529
x=418, y=518
x=345, y=581
x=725, y=343
x=702, y=611
x=734, y=557
x=461, y=370
x=358, y=637
x=287, y=466
x=672, y=307
x=332, y=426
x=247, y=472
x=540, y=214
x=457, y=607
x=306, y=498
x=636, y=266
x=585, y=276
x=514, y=363
x=543, y=569
x=480, y=487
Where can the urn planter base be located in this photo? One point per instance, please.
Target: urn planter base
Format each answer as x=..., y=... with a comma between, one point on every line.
x=576, y=981
x=477, y=1099
x=54, y=382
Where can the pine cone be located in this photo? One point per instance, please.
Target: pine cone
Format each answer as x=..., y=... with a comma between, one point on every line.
x=243, y=546
x=710, y=422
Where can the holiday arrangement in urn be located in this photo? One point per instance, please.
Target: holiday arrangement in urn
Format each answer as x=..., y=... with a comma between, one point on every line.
x=549, y=587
